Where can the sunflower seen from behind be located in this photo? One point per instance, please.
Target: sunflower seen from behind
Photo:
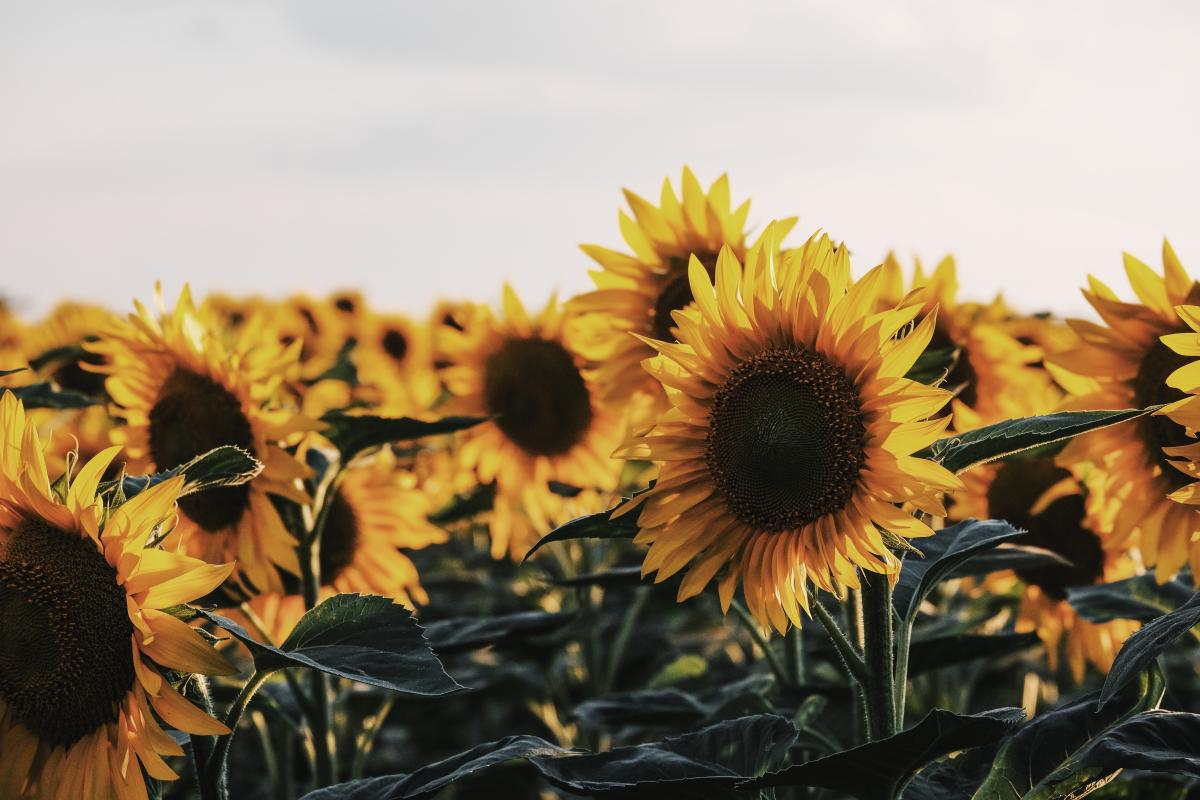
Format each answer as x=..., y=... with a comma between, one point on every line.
x=791, y=430
x=1124, y=363
x=87, y=651
x=179, y=391
x=637, y=292
x=547, y=426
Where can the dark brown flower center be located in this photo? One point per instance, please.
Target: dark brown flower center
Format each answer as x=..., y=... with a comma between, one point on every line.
x=538, y=396
x=395, y=344
x=1150, y=389
x=66, y=659
x=192, y=415
x=962, y=374
x=345, y=303
x=1059, y=527
x=786, y=439
x=677, y=293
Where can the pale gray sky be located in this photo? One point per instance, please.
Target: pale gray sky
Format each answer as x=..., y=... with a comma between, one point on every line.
x=437, y=148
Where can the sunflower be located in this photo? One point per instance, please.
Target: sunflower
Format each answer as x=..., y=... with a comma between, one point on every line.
x=178, y=392
x=394, y=357
x=1124, y=363
x=86, y=649
x=995, y=352
x=789, y=440
x=547, y=426
x=378, y=509
x=635, y=294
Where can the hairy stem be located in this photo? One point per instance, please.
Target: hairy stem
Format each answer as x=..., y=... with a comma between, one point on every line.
x=878, y=644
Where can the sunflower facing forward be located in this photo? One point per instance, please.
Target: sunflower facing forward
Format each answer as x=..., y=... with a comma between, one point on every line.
x=1125, y=364
x=790, y=435
x=635, y=294
x=547, y=422
x=85, y=649
x=180, y=392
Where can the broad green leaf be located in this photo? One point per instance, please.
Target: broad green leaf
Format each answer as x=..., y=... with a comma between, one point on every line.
x=1152, y=741
x=879, y=770
x=429, y=780
x=1141, y=649
x=1009, y=556
x=352, y=434
x=44, y=395
x=1038, y=748
x=939, y=652
x=677, y=708
x=466, y=505
x=944, y=553
x=1003, y=439
x=595, y=526
x=1141, y=598
x=932, y=366
x=227, y=465
x=708, y=763
x=472, y=633
x=362, y=638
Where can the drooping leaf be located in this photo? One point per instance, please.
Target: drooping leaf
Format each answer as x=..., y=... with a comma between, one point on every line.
x=595, y=526
x=1009, y=555
x=227, y=465
x=428, y=780
x=708, y=763
x=362, y=638
x=1141, y=598
x=1038, y=748
x=879, y=770
x=943, y=651
x=471, y=633
x=464, y=506
x=957, y=453
x=44, y=395
x=673, y=706
x=352, y=434
x=945, y=552
x=1141, y=649
x=1152, y=741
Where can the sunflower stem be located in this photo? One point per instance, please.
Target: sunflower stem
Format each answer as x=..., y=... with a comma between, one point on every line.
x=617, y=652
x=212, y=780
x=852, y=663
x=795, y=656
x=878, y=644
x=751, y=626
x=365, y=741
x=202, y=746
x=903, y=645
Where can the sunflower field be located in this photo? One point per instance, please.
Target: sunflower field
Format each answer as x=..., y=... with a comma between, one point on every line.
x=747, y=520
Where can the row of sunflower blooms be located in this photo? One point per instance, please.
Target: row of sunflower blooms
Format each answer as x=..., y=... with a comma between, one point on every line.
x=780, y=409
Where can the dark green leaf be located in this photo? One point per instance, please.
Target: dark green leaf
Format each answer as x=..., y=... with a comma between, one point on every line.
x=70, y=352
x=708, y=763
x=352, y=434
x=1152, y=741
x=646, y=707
x=428, y=780
x=6, y=372
x=617, y=576
x=343, y=368
x=222, y=466
x=932, y=366
x=1141, y=649
x=944, y=553
x=1141, y=598
x=1038, y=748
x=1009, y=556
x=44, y=395
x=464, y=506
x=944, y=651
x=879, y=770
x=595, y=526
x=471, y=633
x=992, y=442
x=361, y=638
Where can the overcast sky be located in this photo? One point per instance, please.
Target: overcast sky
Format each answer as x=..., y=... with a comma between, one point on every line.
x=425, y=149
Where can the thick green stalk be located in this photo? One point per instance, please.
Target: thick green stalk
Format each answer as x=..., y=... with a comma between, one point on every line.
x=878, y=644
x=212, y=780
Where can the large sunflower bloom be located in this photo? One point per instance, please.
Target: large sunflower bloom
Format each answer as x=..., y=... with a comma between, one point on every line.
x=994, y=353
x=636, y=293
x=85, y=647
x=547, y=423
x=179, y=392
x=788, y=445
x=1125, y=364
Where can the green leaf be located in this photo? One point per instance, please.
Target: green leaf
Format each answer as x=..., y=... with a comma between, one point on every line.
x=222, y=466
x=429, y=780
x=945, y=552
x=464, y=506
x=1141, y=598
x=342, y=369
x=472, y=633
x=617, y=576
x=44, y=395
x=352, y=434
x=1009, y=555
x=932, y=366
x=708, y=763
x=677, y=708
x=1004, y=439
x=1038, y=748
x=879, y=770
x=362, y=638
x=1141, y=649
x=939, y=652
x=595, y=526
